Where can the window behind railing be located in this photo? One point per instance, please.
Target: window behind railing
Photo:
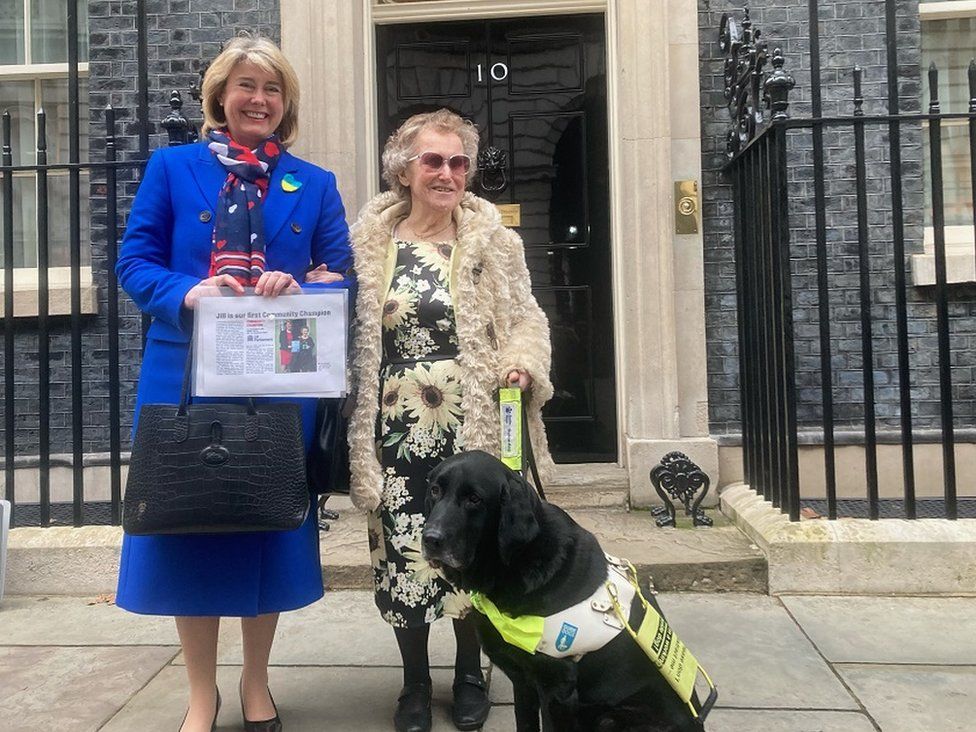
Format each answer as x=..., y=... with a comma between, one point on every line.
x=949, y=42
x=33, y=76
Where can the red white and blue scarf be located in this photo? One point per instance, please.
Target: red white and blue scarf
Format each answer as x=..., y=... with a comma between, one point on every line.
x=238, y=235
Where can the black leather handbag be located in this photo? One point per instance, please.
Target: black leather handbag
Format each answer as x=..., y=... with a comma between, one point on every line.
x=328, y=457
x=216, y=468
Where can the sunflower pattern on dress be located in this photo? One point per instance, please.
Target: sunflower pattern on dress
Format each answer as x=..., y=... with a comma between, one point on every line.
x=418, y=426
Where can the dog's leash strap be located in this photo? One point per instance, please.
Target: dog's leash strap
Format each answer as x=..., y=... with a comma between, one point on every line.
x=530, y=455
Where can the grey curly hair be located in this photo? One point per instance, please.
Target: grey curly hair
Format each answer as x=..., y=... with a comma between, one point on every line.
x=399, y=147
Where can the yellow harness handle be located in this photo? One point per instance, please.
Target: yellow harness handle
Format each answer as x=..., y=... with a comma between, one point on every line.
x=510, y=416
x=662, y=645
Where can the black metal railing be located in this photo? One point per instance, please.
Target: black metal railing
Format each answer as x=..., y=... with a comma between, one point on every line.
x=774, y=161
x=77, y=352
x=80, y=330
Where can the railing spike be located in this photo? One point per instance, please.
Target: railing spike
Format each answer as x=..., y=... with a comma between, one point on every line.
x=109, y=126
x=41, y=130
x=934, y=106
x=777, y=87
x=176, y=125
x=7, y=151
x=972, y=86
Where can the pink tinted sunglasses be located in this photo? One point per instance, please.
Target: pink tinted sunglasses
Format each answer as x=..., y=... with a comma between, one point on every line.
x=435, y=161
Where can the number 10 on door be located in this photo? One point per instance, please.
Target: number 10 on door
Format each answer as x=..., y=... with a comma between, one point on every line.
x=498, y=71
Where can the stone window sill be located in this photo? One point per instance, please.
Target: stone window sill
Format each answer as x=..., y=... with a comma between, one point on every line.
x=59, y=292
x=960, y=257
x=947, y=10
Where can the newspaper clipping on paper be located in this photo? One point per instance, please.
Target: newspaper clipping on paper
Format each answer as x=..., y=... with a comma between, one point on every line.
x=290, y=345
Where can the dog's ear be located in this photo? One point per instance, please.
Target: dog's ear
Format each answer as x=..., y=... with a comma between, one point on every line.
x=517, y=521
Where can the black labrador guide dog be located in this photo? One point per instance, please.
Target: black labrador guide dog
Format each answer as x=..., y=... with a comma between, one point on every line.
x=489, y=532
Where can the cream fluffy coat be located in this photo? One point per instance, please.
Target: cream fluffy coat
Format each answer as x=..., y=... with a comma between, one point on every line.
x=500, y=328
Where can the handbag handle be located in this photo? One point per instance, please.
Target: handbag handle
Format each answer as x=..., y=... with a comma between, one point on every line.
x=185, y=389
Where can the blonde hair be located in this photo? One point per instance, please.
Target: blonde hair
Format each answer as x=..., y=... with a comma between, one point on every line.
x=261, y=52
x=399, y=148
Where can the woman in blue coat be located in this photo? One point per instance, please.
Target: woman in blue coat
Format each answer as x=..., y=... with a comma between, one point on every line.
x=236, y=210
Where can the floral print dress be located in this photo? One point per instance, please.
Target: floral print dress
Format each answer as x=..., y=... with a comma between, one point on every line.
x=418, y=426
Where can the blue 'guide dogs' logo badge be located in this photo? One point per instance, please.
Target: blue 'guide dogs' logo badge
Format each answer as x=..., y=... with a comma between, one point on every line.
x=567, y=634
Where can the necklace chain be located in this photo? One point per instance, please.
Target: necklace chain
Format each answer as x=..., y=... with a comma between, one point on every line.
x=424, y=237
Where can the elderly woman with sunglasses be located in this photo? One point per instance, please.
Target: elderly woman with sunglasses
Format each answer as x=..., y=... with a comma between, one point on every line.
x=444, y=317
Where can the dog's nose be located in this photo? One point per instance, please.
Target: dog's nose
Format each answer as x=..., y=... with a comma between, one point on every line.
x=433, y=540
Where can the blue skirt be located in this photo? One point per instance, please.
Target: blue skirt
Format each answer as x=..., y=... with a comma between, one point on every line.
x=239, y=575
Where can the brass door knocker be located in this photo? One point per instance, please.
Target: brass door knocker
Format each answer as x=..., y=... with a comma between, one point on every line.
x=492, y=166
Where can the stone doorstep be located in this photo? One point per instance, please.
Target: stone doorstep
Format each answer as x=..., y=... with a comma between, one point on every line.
x=718, y=559
x=857, y=556
x=589, y=485
x=84, y=561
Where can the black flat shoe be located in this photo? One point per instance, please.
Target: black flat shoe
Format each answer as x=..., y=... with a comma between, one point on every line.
x=471, y=703
x=265, y=725
x=413, y=708
x=213, y=725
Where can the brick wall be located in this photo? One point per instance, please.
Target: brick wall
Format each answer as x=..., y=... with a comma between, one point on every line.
x=851, y=33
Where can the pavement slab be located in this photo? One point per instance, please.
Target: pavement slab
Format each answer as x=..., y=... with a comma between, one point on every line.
x=342, y=629
x=70, y=666
x=916, y=698
x=310, y=699
x=775, y=720
x=754, y=652
x=72, y=621
x=45, y=689
x=888, y=629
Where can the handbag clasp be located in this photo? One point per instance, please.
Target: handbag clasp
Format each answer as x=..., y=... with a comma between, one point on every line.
x=215, y=454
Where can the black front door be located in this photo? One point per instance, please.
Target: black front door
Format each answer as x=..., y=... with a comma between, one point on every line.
x=536, y=89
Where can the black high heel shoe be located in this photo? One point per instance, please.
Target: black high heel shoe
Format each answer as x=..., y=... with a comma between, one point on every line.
x=213, y=725
x=266, y=725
